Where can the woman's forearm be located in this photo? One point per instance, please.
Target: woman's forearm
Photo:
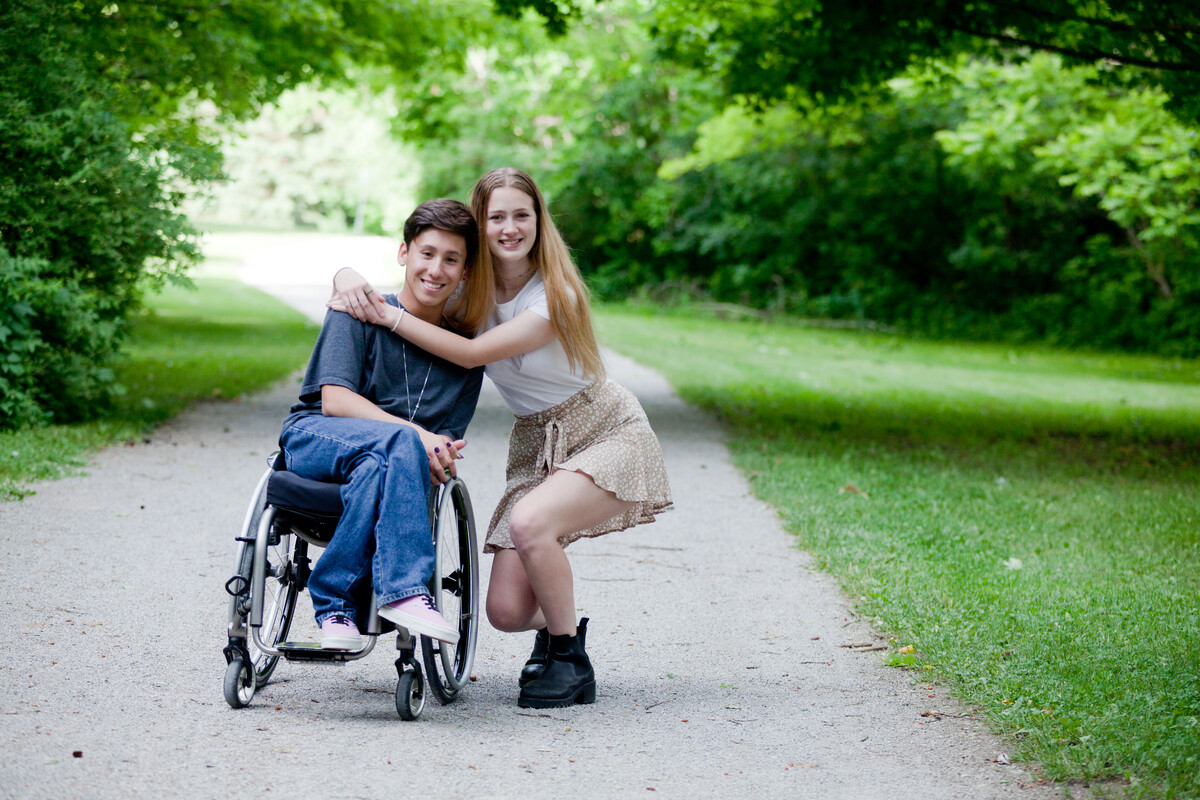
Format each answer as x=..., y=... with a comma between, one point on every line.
x=526, y=332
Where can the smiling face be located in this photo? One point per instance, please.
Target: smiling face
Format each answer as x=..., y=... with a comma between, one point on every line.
x=435, y=263
x=511, y=226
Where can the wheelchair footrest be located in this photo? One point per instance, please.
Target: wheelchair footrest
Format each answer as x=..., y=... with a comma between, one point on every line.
x=312, y=651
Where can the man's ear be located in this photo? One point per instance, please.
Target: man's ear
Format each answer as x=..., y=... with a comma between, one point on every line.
x=402, y=254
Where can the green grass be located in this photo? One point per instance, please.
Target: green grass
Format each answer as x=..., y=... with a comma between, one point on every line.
x=220, y=340
x=1027, y=519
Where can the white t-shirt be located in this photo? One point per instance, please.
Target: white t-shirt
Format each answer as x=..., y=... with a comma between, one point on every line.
x=541, y=378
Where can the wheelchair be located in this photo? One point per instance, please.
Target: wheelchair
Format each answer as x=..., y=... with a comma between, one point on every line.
x=287, y=515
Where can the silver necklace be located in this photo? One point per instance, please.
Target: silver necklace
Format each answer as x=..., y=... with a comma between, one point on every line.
x=407, y=394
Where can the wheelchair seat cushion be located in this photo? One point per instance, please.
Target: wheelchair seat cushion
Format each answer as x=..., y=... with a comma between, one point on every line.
x=290, y=492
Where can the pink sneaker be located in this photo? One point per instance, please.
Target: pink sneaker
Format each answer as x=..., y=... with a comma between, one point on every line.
x=340, y=633
x=419, y=615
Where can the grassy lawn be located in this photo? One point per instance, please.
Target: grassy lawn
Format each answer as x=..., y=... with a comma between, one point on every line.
x=1026, y=520
x=220, y=340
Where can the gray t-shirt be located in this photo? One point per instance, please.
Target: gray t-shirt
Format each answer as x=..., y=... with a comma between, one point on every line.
x=395, y=375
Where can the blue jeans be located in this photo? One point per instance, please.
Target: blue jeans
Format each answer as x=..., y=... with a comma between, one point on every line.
x=383, y=538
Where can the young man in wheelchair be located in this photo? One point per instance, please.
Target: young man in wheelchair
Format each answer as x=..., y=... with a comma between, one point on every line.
x=384, y=418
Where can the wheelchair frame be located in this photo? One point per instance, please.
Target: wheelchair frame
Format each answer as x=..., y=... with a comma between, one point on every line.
x=273, y=566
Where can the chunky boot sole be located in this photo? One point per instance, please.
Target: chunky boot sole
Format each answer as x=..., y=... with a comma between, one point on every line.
x=584, y=695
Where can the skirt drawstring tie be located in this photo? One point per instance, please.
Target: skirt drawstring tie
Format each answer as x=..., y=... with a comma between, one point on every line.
x=550, y=454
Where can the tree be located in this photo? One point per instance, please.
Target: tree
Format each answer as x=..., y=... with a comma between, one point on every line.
x=1141, y=165
x=243, y=55
x=1121, y=150
x=771, y=49
x=317, y=158
x=85, y=212
x=101, y=142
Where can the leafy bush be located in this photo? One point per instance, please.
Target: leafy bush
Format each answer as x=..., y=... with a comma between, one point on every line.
x=979, y=199
x=86, y=212
x=58, y=345
x=19, y=341
x=1005, y=197
x=605, y=192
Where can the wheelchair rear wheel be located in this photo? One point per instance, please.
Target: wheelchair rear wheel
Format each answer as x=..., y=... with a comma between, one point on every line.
x=455, y=590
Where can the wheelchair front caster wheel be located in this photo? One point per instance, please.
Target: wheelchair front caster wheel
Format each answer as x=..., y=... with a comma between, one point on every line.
x=239, y=684
x=410, y=693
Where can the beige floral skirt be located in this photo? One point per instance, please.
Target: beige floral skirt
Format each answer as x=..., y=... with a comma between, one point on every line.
x=601, y=432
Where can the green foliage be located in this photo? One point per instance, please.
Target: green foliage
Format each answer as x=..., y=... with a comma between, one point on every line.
x=1142, y=167
x=1135, y=180
x=58, y=344
x=494, y=113
x=522, y=98
x=934, y=205
x=19, y=340
x=319, y=158
x=244, y=55
x=1023, y=518
x=780, y=49
x=591, y=115
x=832, y=212
x=86, y=212
x=102, y=138
x=606, y=194
x=218, y=339
x=931, y=202
x=555, y=13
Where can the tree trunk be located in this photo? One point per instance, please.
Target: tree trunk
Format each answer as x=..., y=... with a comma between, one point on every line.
x=1154, y=267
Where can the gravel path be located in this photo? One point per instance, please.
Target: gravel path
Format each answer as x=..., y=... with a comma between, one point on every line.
x=719, y=652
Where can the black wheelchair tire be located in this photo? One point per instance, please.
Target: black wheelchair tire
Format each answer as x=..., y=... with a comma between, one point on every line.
x=410, y=693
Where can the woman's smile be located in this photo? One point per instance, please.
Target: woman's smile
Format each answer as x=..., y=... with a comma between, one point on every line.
x=511, y=224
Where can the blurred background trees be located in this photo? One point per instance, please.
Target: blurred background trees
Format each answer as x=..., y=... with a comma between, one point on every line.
x=985, y=170
x=110, y=121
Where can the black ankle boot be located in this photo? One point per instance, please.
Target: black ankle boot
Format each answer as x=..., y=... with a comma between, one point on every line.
x=536, y=664
x=568, y=678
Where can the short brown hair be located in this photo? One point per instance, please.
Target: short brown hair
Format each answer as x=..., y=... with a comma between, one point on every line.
x=445, y=215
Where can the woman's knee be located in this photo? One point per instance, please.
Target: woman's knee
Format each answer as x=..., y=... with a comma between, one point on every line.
x=528, y=526
x=511, y=604
x=506, y=614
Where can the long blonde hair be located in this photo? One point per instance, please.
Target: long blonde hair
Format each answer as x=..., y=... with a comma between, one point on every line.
x=468, y=312
x=566, y=294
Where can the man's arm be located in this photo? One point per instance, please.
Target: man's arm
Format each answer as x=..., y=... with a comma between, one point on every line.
x=338, y=401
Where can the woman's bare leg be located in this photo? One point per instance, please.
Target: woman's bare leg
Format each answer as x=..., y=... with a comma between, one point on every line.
x=511, y=603
x=563, y=503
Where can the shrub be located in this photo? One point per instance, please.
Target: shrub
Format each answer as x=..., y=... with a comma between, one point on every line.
x=87, y=211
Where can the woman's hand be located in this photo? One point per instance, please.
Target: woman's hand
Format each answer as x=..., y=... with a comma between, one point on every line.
x=353, y=294
x=442, y=452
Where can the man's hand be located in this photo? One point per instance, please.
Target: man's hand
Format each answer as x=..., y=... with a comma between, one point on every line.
x=442, y=452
